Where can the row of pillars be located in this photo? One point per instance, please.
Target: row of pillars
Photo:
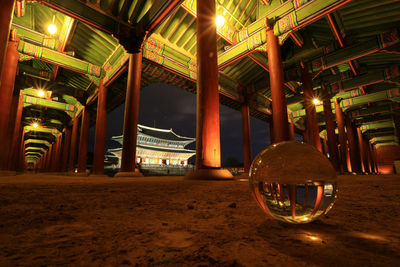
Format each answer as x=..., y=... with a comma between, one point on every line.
x=62, y=153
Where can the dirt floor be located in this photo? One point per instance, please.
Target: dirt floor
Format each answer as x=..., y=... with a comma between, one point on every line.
x=68, y=221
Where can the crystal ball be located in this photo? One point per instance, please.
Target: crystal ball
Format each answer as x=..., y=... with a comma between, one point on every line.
x=293, y=182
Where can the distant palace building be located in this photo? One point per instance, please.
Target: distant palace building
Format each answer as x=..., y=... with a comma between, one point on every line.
x=158, y=147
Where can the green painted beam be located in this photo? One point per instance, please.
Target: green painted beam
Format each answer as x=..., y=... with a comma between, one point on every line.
x=31, y=36
x=70, y=109
x=36, y=141
x=52, y=131
x=391, y=109
x=392, y=94
x=373, y=126
x=386, y=144
x=60, y=59
x=286, y=17
x=390, y=138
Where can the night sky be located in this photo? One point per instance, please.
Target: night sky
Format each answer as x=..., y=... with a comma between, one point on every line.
x=165, y=106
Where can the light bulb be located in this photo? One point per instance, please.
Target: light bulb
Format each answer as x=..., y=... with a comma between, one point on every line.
x=40, y=93
x=219, y=20
x=316, y=101
x=52, y=28
x=35, y=125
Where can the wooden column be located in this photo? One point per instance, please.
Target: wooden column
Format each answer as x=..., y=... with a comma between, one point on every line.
x=279, y=109
x=83, y=142
x=342, y=135
x=48, y=158
x=73, y=146
x=330, y=130
x=311, y=113
x=208, y=151
x=353, y=148
x=6, y=93
x=246, y=137
x=367, y=156
x=101, y=127
x=16, y=137
x=362, y=151
x=66, y=149
x=373, y=164
x=291, y=131
x=131, y=116
x=325, y=146
x=6, y=10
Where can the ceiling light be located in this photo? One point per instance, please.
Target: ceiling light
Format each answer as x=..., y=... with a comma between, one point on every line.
x=40, y=93
x=219, y=20
x=35, y=125
x=316, y=101
x=52, y=28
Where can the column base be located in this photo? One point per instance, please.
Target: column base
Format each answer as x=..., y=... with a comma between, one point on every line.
x=209, y=174
x=83, y=174
x=8, y=173
x=135, y=173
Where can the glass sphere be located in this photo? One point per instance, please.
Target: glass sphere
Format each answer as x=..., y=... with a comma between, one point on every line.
x=293, y=182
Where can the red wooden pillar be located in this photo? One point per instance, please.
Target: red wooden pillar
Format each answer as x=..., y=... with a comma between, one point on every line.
x=363, y=152
x=101, y=127
x=279, y=109
x=305, y=136
x=21, y=162
x=291, y=131
x=311, y=113
x=372, y=152
x=208, y=151
x=73, y=146
x=6, y=93
x=66, y=149
x=83, y=141
x=57, y=162
x=16, y=137
x=11, y=127
x=131, y=116
x=246, y=137
x=330, y=130
x=271, y=132
x=325, y=146
x=367, y=156
x=49, y=156
x=53, y=160
x=6, y=10
x=353, y=148
x=342, y=136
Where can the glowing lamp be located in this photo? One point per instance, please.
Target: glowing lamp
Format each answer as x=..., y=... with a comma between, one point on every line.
x=35, y=125
x=316, y=101
x=40, y=93
x=52, y=28
x=219, y=20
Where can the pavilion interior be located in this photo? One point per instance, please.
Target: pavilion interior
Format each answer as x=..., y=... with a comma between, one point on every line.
x=351, y=49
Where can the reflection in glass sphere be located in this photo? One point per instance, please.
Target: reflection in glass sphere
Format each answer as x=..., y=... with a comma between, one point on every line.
x=293, y=182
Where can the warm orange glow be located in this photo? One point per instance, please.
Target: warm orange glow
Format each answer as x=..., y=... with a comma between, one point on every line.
x=52, y=28
x=219, y=21
x=40, y=93
x=316, y=101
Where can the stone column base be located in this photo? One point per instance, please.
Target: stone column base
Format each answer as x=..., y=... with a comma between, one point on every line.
x=135, y=173
x=209, y=174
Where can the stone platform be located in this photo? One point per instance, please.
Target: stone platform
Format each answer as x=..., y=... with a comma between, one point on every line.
x=84, y=221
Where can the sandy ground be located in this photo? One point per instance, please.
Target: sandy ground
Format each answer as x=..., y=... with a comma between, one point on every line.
x=67, y=221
